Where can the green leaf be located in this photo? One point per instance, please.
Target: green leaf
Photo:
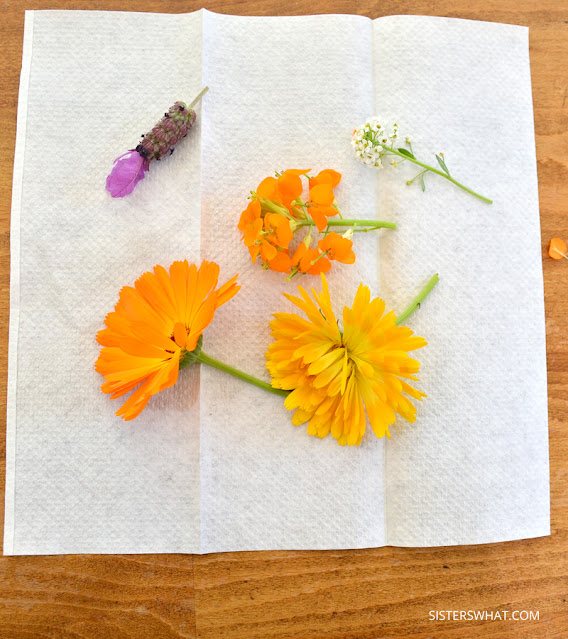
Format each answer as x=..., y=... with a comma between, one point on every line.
x=407, y=153
x=442, y=164
x=422, y=182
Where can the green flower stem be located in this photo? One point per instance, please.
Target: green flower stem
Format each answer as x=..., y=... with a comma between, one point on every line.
x=434, y=170
x=198, y=97
x=374, y=223
x=418, y=300
x=274, y=208
x=205, y=359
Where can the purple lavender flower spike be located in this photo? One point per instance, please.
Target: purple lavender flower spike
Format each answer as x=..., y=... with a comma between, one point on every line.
x=129, y=168
x=127, y=171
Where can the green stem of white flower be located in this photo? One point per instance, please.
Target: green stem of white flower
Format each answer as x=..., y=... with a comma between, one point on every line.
x=434, y=170
x=203, y=358
x=418, y=300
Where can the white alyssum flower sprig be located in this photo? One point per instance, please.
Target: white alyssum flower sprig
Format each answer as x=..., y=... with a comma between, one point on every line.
x=374, y=143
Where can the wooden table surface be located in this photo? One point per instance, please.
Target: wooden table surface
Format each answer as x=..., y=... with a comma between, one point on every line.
x=358, y=594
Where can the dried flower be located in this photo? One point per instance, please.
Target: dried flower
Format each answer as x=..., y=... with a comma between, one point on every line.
x=277, y=211
x=129, y=168
x=374, y=141
x=336, y=375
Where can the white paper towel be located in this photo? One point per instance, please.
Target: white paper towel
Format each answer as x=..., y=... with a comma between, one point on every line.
x=78, y=479
x=212, y=464
x=474, y=467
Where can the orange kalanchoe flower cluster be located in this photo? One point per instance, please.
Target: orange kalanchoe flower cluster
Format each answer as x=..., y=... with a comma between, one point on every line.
x=155, y=329
x=277, y=211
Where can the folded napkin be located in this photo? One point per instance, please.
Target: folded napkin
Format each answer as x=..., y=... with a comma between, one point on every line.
x=213, y=464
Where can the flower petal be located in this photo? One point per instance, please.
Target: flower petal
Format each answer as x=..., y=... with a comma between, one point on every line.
x=127, y=171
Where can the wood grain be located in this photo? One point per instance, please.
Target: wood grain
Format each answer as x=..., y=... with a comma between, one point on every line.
x=360, y=594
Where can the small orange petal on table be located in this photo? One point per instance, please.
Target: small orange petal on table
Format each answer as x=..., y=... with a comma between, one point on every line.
x=557, y=248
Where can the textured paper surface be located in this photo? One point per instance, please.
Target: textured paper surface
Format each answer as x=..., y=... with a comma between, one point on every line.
x=81, y=480
x=474, y=467
x=265, y=483
x=212, y=464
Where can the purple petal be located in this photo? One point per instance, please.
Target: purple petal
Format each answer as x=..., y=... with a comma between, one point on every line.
x=127, y=171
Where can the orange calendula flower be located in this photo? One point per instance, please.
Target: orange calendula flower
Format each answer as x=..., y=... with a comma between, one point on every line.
x=155, y=328
x=336, y=376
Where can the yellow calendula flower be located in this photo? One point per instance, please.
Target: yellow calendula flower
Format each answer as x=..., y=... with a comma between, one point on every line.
x=336, y=376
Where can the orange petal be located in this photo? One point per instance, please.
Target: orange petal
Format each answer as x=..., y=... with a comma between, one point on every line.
x=163, y=278
x=267, y=251
x=138, y=348
x=250, y=214
x=327, y=176
x=290, y=187
x=335, y=176
x=227, y=291
x=338, y=248
x=151, y=336
x=134, y=307
x=148, y=285
x=299, y=253
x=252, y=231
x=207, y=277
x=203, y=316
x=267, y=188
x=254, y=251
x=296, y=171
x=320, y=264
x=281, y=225
x=180, y=334
x=557, y=248
x=318, y=217
x=281, y=262
x=179, y=276
x=163, y=378
x=322, y=194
